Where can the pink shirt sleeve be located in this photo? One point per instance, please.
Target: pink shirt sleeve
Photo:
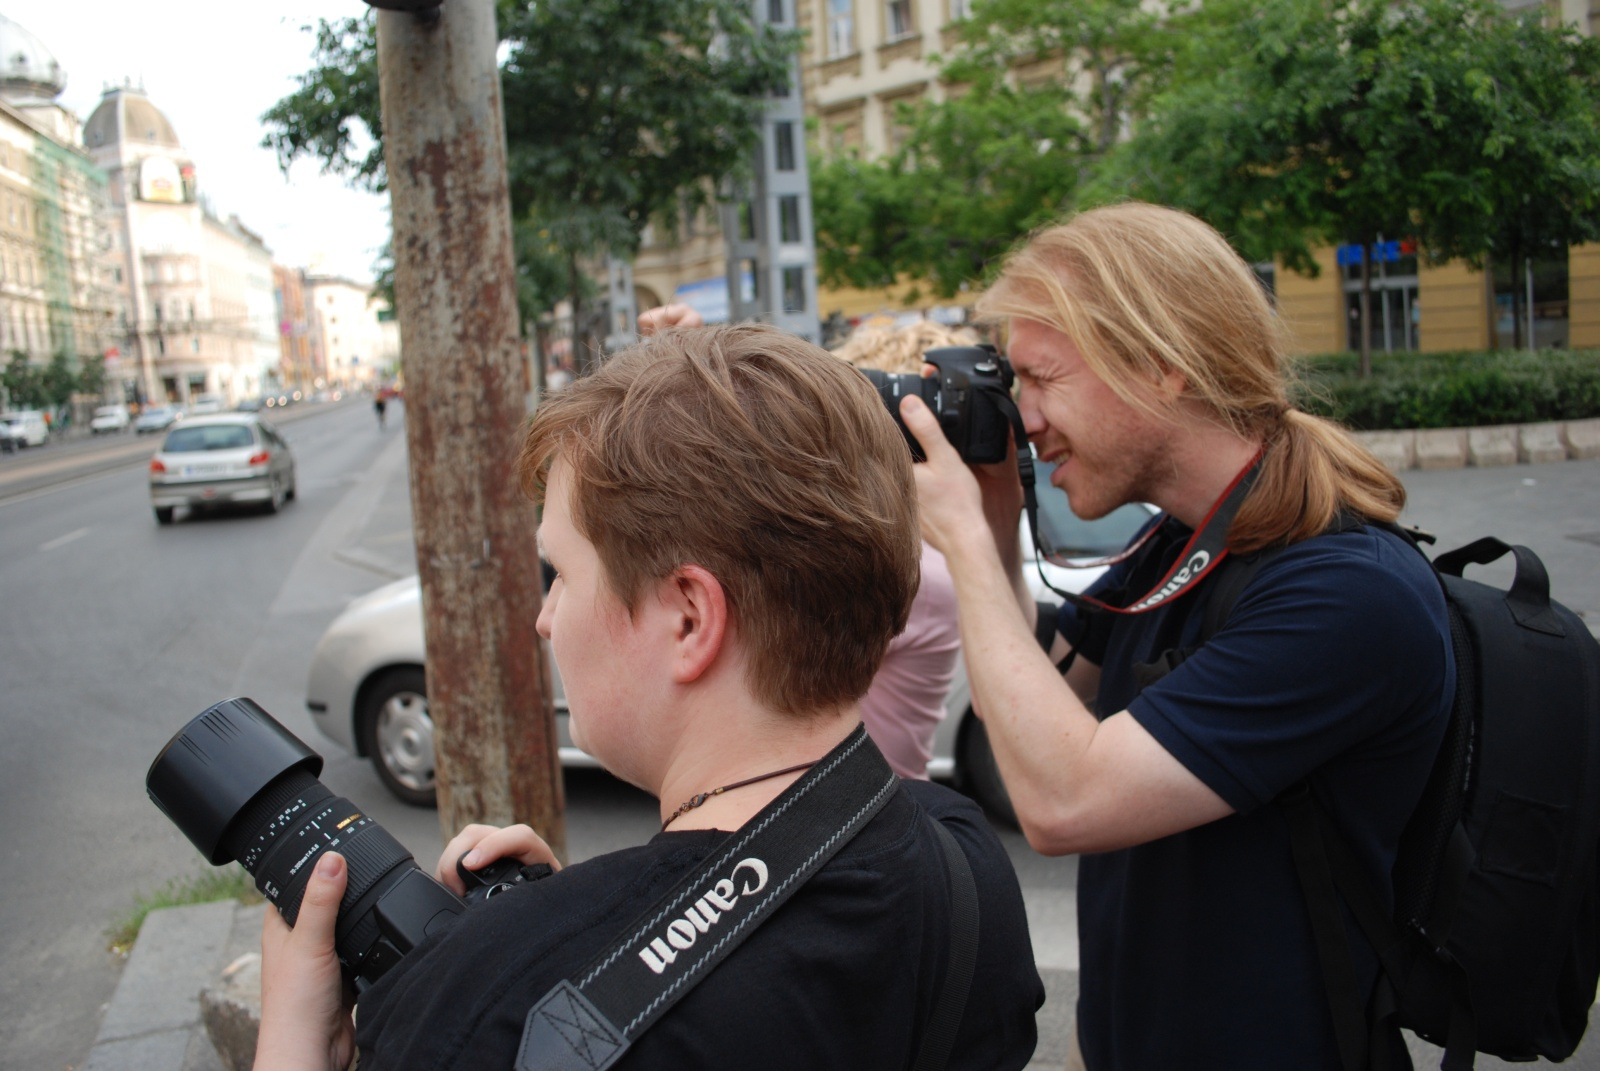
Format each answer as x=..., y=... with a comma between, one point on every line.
x=903, y=707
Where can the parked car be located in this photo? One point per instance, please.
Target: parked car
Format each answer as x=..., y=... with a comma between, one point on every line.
x=225, y=459
x=203, y=404
x=249, y=405
x=367, y=686
x=110, y=418
x=156, y=418
x=22, y=428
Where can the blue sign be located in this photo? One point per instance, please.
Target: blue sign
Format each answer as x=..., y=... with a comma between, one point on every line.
x=1382, y=253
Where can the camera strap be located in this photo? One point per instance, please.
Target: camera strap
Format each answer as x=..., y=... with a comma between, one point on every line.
x=1203, y=553
x=587, y=1023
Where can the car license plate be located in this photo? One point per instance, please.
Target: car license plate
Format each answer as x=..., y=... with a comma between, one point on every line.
x=201, y=470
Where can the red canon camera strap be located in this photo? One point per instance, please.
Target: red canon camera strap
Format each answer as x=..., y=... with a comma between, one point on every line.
x=1207, y=547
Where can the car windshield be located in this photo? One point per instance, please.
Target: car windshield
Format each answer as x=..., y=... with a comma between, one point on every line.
x=1065, y=535
x=106, y=410
x=210, y=437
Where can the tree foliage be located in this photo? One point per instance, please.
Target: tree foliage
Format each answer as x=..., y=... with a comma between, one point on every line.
x=1305, y=123
x=31, y=386
x=973, y=173
x=617, y=114
x=997, y=157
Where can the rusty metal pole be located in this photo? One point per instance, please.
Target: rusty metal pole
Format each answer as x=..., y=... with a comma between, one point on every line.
x=445, y=152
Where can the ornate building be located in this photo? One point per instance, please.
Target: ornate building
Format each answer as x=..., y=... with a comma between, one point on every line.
x=55, y=275
x=195, y=293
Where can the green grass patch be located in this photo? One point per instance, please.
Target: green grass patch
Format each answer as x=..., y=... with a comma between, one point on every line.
x=222, y=883
x=1461, y=389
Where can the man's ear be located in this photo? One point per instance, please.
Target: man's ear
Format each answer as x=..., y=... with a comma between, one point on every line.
x=699, y=609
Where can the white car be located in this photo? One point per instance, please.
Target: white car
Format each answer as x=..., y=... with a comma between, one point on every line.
x=367, y=688
x=110, y=418
x=24, y=427
x=226, y=459
x=204, y=404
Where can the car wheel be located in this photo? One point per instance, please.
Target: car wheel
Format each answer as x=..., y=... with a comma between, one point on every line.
x=397, y=733
x=980, y=775
x=275, y=502
x=163, y=514
x=290, y=493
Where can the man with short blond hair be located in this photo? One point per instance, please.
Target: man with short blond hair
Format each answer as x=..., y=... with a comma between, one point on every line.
x=732, y=522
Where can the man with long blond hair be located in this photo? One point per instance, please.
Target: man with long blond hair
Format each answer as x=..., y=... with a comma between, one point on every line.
x=1150, y=368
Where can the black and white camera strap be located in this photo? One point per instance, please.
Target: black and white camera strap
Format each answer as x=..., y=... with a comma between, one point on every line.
x=588, y=1022
x=1203, y=553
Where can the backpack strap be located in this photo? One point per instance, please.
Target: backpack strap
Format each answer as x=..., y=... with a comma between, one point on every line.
x=940, y=1034
x=587, y=1024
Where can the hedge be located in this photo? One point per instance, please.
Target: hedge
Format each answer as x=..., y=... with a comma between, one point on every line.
x=1452, y=390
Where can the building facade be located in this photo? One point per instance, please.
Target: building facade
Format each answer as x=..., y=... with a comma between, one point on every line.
x=862, y=58
x=55, y=297
x=354, y=332
x=299, y=361
x=195, y=303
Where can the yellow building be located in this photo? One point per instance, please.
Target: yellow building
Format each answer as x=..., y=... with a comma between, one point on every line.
x=863, y=58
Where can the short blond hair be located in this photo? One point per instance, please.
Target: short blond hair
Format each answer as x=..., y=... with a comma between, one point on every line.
x=899, y=350
x=1143, y=290
x=768, y=462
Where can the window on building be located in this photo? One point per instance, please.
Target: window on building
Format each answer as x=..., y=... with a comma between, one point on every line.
x=794, y=290
x=789, y=218
x=898, y=19
x=775, y=11
x=960, y=9
x=1531, y=298
x=783, y=145
x=841, y=28
x=1395, y=318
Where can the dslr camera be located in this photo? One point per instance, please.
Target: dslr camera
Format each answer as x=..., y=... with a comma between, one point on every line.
x=244, y=789
x=970, y=395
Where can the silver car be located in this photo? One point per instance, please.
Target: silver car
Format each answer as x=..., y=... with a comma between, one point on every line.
x=227, y=459
x=367, y=688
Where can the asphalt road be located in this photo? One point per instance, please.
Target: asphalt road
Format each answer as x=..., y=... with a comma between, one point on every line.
x=114, y=632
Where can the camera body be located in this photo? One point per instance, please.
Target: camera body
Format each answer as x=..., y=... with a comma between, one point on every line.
x=244, y=789
x=970, y=396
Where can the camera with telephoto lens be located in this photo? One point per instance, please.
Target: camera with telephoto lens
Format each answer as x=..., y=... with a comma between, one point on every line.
x=970, y=396
x=244, y=789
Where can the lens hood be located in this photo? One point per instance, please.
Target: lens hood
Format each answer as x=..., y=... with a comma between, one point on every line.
x=217, y=764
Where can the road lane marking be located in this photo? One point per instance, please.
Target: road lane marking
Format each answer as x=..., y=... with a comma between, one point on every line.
x=61, y=541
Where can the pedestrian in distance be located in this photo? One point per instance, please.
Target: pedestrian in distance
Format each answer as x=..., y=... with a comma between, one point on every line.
x=731, y=516
x=380, y=404
x=1150, y=368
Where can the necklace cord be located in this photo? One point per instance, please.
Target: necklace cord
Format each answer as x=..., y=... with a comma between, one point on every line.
x=696, y=800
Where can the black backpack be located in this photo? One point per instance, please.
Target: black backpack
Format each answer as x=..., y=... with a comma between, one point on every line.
x=1494, y=942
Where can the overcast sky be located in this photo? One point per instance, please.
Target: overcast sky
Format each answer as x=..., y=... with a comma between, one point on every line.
x=213, y=66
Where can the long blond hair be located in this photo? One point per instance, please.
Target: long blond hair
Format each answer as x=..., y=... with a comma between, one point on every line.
x=1144, y=290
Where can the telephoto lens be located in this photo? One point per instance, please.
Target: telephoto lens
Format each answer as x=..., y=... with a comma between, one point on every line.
x=244, y=789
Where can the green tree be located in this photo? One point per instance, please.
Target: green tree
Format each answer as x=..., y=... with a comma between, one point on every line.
x=1003, y=153
x=1529, y=182
x=617, y=114
x=24, y=382
x=972, y=174
x=1303, y=123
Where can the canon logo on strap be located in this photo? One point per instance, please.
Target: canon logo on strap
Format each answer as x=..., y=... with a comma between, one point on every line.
x=682, y=932
x=1190, y=570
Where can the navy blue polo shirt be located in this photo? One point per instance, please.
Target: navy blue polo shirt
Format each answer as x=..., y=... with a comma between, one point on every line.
x=1334, y=666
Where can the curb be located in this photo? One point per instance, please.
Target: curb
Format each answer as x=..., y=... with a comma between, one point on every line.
x=1505, y=444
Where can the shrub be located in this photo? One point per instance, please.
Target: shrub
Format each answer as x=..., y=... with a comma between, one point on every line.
x=1452, y=390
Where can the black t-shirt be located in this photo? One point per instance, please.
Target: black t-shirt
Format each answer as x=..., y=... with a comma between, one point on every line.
x=844, y=975
x=1334, y=667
